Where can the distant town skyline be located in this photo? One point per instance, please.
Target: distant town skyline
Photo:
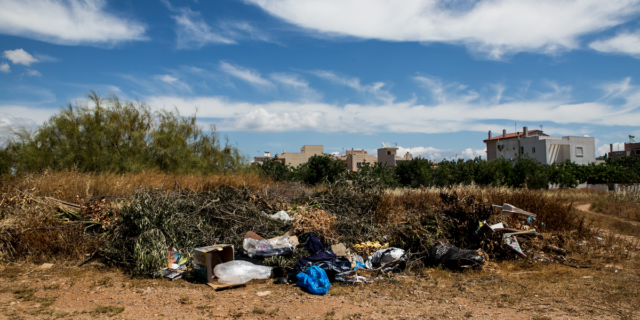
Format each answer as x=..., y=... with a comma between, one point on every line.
x=431, y=76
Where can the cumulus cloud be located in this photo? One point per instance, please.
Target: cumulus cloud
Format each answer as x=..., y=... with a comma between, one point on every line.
x=250, y=76
x=623, y=43
x=4, y=67
x=68, y=22
x=19, y=56
x=495, y=28
x=432, y=153
x=605, y=148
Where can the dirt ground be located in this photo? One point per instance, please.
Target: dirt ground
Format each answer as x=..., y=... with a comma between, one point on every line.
x=512, y=290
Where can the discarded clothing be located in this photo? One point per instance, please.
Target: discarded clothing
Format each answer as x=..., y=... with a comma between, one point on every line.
x=321, y=257
x=382, y=257
x=314, y=280
x=454, y=258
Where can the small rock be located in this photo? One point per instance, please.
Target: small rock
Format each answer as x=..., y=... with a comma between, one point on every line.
x=263, y=293
x=45, y=266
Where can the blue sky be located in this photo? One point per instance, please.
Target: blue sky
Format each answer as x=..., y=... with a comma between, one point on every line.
x=433, y=76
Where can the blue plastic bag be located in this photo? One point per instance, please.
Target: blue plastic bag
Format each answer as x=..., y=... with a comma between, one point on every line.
x=315, y=280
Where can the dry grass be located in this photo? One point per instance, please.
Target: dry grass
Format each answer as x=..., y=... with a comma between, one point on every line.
x=318, y=221
x=68, y=186
x=621, y=204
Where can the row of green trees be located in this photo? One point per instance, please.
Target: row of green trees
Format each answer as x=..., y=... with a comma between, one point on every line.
x=521, y=172
x=107, y=134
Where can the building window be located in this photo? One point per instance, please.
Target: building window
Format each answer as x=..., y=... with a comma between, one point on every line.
x=521, y=150
x=533, y=150
x=637, y=152
x=388, y=153
x=578, y=151
x=358, y=164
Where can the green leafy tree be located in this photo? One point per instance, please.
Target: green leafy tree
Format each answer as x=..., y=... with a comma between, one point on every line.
x=321, y=168
x=414, y=173
x=116, y=136
x=376, y=174
x=276, y=170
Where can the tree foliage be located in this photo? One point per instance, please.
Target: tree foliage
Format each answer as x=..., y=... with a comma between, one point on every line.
x=107, y=134
x=522, y=172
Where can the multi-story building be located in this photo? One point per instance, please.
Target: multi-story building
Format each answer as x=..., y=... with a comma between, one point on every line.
x=387, y=155
x=542, y=147
x=631, y=149
x=353, y=158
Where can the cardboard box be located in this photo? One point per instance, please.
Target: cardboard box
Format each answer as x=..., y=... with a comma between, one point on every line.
x=206, y=258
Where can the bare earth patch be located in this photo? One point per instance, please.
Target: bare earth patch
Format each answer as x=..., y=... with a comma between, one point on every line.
x=509, y=290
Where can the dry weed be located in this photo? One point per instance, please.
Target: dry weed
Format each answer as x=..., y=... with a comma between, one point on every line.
x=312, y=219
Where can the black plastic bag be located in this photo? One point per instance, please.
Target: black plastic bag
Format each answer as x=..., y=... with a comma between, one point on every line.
x=454, y=258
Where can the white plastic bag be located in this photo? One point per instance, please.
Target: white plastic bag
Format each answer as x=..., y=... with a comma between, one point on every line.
x=383, y=256
x=238, y=271
x=268, y=248
x=282, y=215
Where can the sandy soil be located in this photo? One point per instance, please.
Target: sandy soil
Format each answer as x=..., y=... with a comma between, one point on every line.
x=30, y=291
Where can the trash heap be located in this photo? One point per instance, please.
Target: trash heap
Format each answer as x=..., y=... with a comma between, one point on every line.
x=229, y=236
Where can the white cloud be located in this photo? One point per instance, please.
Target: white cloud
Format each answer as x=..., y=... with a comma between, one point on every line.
x=4, y=67
x=19, y=56
x=250, y=76
x=446, y=115
x=33, y=73
x=294, y=82
x=167, y=78
x=375, y=89
x=625, y=43
x=495, y=27
x=194, y=32
x=68, y=22
x=605, y=148
x=432, y=153
x=174, y=82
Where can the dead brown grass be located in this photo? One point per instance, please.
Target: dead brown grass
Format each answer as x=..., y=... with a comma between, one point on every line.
x=30, y=228
x=70, y=185
x=621, y=204
x=312, y=219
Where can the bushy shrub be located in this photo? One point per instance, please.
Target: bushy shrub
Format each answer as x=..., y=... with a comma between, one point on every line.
x=321, y=168
x=109, y=135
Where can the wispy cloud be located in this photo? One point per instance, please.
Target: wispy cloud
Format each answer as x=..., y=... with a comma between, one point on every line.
x=446, y=115
x=193, y=31
x=174, y=82
x=376, y=89
x=492, y=28
x=32, y=73
x=297, y=84
x=4, y=67
x=622, y=43
x=69, y=22
x=250, y=76
x=19, y=56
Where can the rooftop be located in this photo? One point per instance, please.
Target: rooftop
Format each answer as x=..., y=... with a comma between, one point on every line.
x=513, y=135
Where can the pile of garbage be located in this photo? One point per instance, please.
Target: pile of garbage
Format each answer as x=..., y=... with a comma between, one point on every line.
x=229, y=236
